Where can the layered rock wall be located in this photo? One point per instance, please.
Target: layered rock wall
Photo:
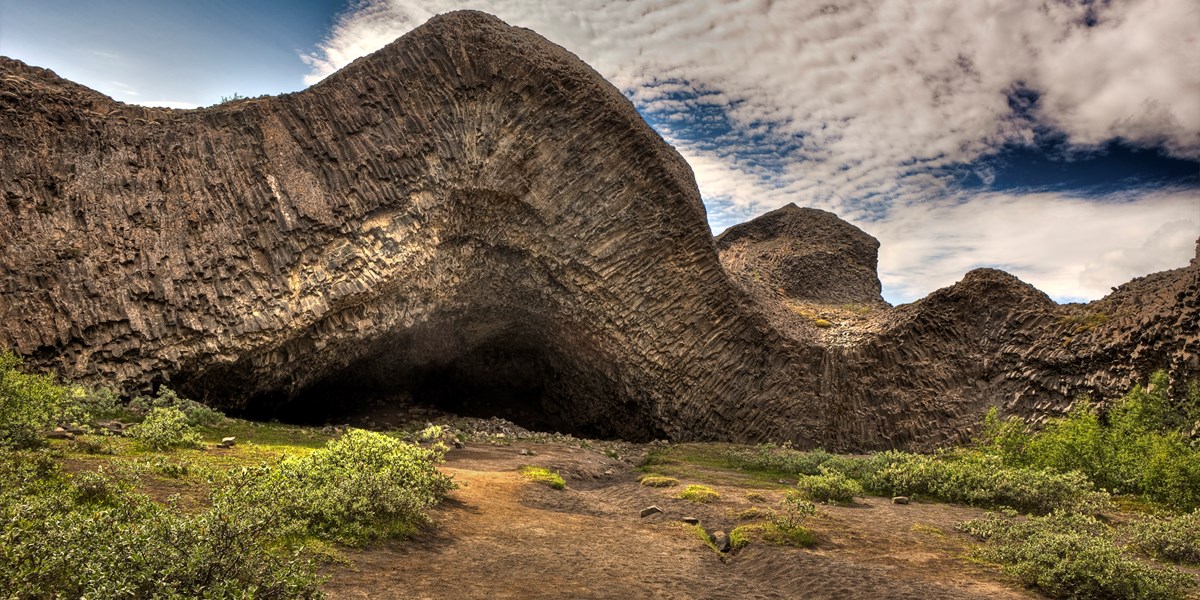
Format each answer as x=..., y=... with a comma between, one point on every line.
x=472, y=210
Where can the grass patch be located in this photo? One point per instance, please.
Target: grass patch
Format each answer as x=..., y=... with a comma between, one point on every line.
x=700, y=494
x=543, y=476
x=776, y=534
x=928, y=530
x=658, y=481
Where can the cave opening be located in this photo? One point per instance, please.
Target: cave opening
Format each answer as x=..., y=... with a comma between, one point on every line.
x=508, y=371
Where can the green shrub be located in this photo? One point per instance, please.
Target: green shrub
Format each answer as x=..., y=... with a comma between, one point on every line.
x=29, y=404
x=1174, y=539
x=829, y=486
x=543, y=476
x=1069, y=555
x=793, y=511
x=658, y=481
x=1137, y=447
x=198, y=415
x=360, y=487
x=975, y=478
x=165, y=428
x=700, y=494
x=89, y=536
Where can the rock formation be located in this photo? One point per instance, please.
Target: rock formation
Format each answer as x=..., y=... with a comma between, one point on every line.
x=473, y=212
x=810, y=254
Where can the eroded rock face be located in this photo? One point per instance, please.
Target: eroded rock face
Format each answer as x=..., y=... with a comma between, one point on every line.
x=809, y=255
x=473, y=212
x=471, y=200
x=988, y=340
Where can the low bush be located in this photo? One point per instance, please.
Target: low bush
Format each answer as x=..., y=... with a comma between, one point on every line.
x=793, y=511
x=165, y=428
x=1070, y=555
x=976, y=478
x=1173, y=539
x=700, y=494
x=198, y=415
x=543, y=476
x=29, y=404
x=360, y=487
x=89, y=536
x=829, y=486
x=1137, y=445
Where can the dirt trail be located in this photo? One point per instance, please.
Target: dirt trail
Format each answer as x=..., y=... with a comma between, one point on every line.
x=502, y=537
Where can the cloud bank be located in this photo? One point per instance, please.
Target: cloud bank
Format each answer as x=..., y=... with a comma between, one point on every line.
x=861, y=106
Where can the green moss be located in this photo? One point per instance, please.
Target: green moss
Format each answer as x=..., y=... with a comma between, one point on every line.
x=700, y=494
x=658, y=481
x=822, y=323
x=543, y=476
x=739, y=537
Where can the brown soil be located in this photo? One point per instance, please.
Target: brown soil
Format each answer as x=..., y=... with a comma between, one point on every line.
x=500, y=536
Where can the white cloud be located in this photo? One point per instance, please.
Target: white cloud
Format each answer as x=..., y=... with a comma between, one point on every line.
x=865, y=99
x=1071, y=248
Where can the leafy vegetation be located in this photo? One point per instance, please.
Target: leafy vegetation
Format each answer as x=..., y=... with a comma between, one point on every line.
x=361, y=487
x=829, y=486
x=165, y=428
x=700, y=494
x=1071, y=555
x=1173, y=539
x=251, y=524
x=1137, y=446
x=543, y=476
x=91, y=536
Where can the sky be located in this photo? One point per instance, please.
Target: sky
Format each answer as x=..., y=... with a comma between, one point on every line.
x=1058, y=140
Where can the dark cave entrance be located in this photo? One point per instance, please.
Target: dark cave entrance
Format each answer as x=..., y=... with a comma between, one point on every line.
x=417, y=377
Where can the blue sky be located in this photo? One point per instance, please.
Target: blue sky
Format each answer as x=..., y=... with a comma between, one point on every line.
x=1058, y=141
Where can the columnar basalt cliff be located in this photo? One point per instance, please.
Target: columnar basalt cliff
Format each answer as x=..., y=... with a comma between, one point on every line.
x=474, y=211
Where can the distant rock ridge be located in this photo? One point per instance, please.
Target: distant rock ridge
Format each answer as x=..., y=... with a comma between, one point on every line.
x=473, y=213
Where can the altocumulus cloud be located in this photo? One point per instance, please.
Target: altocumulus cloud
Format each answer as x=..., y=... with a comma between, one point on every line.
x=863, y=106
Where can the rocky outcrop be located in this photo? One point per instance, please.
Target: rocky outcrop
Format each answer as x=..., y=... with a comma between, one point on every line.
x=806, y=254
x=469, y=209
x=472, y=212
x=988, y=340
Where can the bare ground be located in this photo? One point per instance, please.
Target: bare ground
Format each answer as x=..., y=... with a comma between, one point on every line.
x=500, y=536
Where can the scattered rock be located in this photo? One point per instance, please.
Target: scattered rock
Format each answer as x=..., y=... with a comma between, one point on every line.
x=690, y=520
x=458, y=444
x=527, y=452
x=650, y=510
x=900, y=500
x=720, y=540
x=58, y=433
x=227, y=442
x=112, y=426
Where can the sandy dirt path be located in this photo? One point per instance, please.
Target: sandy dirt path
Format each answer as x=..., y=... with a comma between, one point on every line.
x=502, y=537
